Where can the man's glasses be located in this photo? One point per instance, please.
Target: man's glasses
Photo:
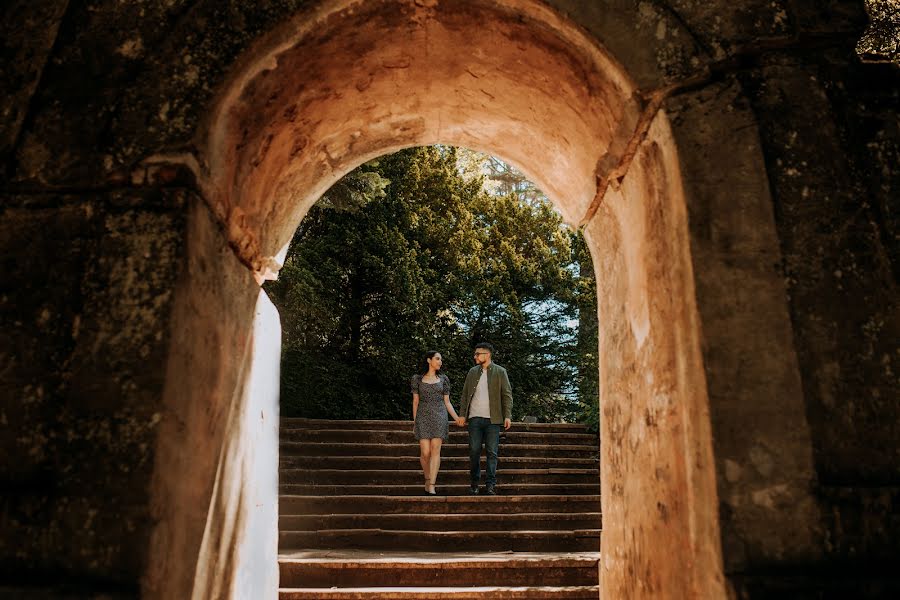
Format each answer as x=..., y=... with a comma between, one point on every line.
x=480, y=353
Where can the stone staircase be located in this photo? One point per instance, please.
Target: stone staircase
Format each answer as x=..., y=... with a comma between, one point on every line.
x=355, y=523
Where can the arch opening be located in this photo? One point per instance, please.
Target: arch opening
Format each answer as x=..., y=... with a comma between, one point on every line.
x=349, y=81
x=440, y=248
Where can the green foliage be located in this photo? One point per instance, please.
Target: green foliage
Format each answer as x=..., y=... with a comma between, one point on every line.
x=588, y=330
x=411, y=253
x=355, y=190
x=881, y=40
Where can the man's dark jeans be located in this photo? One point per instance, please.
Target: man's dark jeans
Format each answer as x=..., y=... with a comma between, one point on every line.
x=482, y=431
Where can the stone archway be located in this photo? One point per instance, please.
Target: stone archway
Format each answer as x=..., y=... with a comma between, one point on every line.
x=348, y=81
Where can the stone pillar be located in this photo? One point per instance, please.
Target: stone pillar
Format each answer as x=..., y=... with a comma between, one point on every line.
x=763, y=453
x=658, y=469
x=215, y=496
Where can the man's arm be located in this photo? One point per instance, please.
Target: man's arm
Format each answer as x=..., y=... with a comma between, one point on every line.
x=506, y=396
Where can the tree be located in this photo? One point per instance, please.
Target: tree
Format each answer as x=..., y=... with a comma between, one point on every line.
x=572, y=300
x=588, y=331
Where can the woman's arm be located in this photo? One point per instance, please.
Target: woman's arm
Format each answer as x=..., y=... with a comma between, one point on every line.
x=415, y=405
x=456, y=418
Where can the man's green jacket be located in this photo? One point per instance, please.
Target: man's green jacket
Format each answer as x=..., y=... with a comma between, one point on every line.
x=499, y=392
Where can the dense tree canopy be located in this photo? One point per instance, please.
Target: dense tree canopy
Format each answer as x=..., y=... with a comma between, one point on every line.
x=413, y=252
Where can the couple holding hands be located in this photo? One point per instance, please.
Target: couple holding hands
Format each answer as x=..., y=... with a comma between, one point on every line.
x=486, y=406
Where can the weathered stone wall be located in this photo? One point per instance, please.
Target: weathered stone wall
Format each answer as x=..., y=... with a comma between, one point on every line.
x=761, y=439
x=783, y=77
x=803, y=408
x=832, y=142
x=92, y=254
x=85, y=300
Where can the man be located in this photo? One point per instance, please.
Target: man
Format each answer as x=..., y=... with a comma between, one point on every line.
x=486, y=405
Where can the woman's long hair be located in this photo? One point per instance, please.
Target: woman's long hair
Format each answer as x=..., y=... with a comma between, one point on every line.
x=423, y=364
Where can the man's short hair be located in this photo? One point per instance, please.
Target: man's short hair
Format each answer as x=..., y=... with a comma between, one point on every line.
x=485, y=346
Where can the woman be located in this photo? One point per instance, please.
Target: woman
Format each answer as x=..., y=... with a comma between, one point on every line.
x=431, y=403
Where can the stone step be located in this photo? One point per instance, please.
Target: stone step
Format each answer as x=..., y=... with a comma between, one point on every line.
x=355, y=487
x=511, y=489
x=441, y=521
x=365, y=569
x=578, y=540
x=383, y=504
x=457, y=436
x=302, y=423
x=412, y=462
x=445, y=477
x=454, y=593
x=411, y=449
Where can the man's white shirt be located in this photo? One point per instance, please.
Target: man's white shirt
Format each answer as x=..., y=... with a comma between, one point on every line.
x=481, y=403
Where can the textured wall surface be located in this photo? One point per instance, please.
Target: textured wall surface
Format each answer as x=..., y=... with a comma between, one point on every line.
x=657, y=461
x=788, y=151
x=761, y=439
x=832, y=160
x=86, y=295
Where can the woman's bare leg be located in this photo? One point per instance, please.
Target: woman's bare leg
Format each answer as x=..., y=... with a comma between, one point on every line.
x=425, y=460
x=435, y=465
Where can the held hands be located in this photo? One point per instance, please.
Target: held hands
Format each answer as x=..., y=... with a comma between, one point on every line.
x=506, y=424
x=460, y=421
